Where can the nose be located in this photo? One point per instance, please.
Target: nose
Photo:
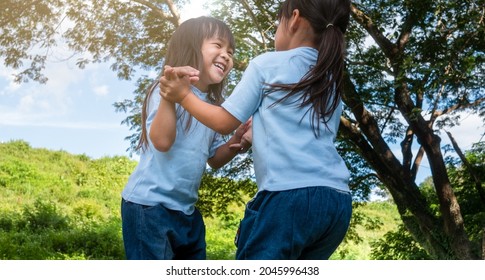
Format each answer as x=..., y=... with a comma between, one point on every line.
x=225, y=56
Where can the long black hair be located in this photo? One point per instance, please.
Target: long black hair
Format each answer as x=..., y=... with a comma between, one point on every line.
x=321, y=86
x=184, y=48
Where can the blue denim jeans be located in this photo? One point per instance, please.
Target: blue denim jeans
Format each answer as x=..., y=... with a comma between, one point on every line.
x=306, y=223
x=158, y=233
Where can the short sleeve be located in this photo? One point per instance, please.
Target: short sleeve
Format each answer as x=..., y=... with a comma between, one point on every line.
x=216, y=143
x=246, y=97
x=152, y=109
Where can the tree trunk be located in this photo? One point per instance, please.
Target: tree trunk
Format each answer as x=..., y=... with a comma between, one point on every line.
x=412, y=206
x=416, y=216
x=449, y=207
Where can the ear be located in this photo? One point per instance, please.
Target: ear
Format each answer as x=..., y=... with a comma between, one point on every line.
x=294, y=21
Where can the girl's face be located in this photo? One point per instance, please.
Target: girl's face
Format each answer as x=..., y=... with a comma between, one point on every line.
x=217, y=62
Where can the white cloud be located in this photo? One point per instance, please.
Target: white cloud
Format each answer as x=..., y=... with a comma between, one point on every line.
x=7, y=75
x=469, y=131
x=101, y=90
x=32, y=104
x=26, y=103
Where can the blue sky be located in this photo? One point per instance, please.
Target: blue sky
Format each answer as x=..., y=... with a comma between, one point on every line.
x=74, y=110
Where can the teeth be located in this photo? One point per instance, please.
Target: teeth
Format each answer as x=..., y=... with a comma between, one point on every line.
x=220, y=66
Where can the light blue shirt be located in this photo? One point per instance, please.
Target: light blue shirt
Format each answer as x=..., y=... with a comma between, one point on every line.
x=287, y=155
x=172, y=178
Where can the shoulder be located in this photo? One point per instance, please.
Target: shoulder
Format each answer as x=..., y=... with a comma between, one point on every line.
x=266, y=62
x=276, y=58
x=266, y=57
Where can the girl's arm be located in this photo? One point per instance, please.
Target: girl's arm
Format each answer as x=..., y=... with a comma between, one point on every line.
x=176, y=88
x=239, y=143
x=163, y=128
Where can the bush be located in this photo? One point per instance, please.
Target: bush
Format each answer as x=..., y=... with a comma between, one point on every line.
x=42, y=233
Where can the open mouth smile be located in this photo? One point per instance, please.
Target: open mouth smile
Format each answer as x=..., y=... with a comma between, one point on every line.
x=220, y=66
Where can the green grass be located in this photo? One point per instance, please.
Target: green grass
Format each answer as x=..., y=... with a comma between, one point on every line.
x=55, y=205
x=376, y=219
x=220, y=240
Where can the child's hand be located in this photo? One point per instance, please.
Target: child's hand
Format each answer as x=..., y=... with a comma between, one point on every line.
x=175, y=82
x=245, y=135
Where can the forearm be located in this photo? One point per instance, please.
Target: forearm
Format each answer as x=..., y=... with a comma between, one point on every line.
x=239, y=143
x=163, y=128
x=212, y=116
x=224, y=154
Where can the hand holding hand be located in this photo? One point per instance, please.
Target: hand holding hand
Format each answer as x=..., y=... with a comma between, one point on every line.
x=245, y=135
x=175, y=82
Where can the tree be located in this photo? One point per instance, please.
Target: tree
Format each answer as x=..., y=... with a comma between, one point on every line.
x=412, y=67
x=399, y=244
x=426, y=66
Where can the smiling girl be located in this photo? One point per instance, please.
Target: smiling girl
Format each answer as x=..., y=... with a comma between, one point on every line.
x=159, y=218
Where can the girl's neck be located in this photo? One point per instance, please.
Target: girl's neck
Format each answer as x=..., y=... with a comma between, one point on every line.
x=303, y=36
x=202, y=88
x=298, y=32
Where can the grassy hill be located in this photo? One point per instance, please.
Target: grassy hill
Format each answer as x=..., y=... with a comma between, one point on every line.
x=55, y=205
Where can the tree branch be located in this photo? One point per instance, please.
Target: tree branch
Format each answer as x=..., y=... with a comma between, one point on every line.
x=247, y=7
x=469, y=168
x=458, y=106
x=417, y=163
x=406, y=145
x=175, y=18
x=387, y=46
x=406, y=31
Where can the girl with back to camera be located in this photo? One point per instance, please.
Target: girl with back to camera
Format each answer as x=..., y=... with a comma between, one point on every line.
x=303, y=206
x=159, y=218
